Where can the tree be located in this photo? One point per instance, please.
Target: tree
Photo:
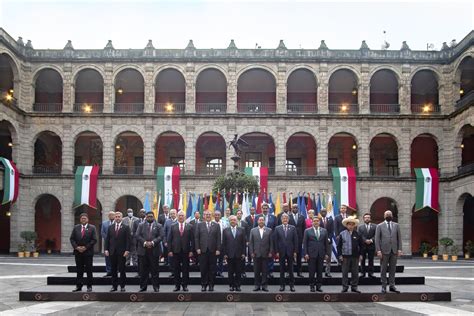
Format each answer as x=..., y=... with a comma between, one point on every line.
x=236, y=181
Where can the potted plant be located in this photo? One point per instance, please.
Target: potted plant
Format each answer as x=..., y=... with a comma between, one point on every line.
x=50, y=243
x=446, y=242
x=434, y=250
x=469, y=249
x=36, y=251
x=425, y=248
x=454, y=253
x=30, y=238
x=21, y=250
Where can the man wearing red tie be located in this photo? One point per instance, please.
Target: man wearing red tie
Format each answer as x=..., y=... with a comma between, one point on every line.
x=83, y=239
x=117, y=247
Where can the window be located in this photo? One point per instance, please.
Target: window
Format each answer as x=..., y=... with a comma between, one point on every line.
x=253, y=159
x=293, y=166
x=178, y=161
x=332, y=162
x=213, y=166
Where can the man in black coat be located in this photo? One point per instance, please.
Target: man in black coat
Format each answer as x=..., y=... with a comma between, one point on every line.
x=298, y=220
x=207, y=242
x=338, y=227
x=250, y=220
x=285, y=240
x=233, y=246
x=83, y=238
x=367, y=232
x=180, y=248
x=261, y=249
x=242, y=223
x=149, y=236
x=328, y=224
x=286, y=210
x=141, y=219
x=163, y=216
x=117, y=247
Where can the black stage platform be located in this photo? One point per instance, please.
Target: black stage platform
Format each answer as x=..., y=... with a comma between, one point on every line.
x=415, y=293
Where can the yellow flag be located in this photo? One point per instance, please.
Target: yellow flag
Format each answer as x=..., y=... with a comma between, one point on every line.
x=155, y=206
x=211, y=204
x=277, y=205
x=185, y=202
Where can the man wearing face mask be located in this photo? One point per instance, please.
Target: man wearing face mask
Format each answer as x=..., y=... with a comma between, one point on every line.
x=388, y=244
x=130, y=220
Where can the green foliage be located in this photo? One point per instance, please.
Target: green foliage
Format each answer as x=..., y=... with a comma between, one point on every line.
x=235, y=181
x=454, y=250
x=446, y=242
x=424, y=247
x=434, y=250
x=28, y=236
x=21, y=247
x=469, y=247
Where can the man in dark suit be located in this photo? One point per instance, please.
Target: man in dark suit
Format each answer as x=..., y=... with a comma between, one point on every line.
x=103, y=232
x=180, y=248
x=286, y=210
x=141, y=219
x=261, y=249
x=250, y=220
x=338, y=227
x=83, y=239
x=367, y=232
x=270, y=221
x=129, y=220
x=328, y=224
x=349, y=244
x=388, y=244
x=163, y=216
x=316, y=249
x=149, y=236
x=242, y=223
x=298, y=220
x=117, y=247
x=197, y=219
x=207, y=242
x=285, y=241
x=167, y=228
x=233, y=248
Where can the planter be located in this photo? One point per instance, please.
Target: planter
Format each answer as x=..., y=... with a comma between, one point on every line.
x=454, y=258
x=425, y=255
x=21, y=254
x=445, y=257
x=434, y=257
x=27, y=254
x=35, y=254
x=467, y=256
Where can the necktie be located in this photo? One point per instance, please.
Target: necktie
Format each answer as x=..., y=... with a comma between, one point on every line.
x=317, y=233
x=116, y=230
x=368, y=227
x=286, y=230
x=324, y=221
x=296, y=218
x=252, y=220
x=83, y=231
x=181, y=230
x=233, y=231
x=149, y=231
x=389, y=228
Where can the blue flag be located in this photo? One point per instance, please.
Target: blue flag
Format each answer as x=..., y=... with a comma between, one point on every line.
x=303, y=207
x=189, y=210
x=270, y=203
x=318, y=204
x=336, y=205
x=146, y=204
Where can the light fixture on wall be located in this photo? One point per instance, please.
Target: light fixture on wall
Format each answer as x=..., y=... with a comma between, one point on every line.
x=8, y=214
x=117, y=147
x=354, y=91
x=11, y=91
x=344, y=107
x=354, y=146
x=10, y=144
x=8, y=97
x=426, y=108
x=87, y=108
x=462, y=146
x=169, y=107
x=461, y=91
x=120, y=91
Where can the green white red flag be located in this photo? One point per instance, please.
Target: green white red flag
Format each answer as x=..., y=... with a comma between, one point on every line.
x=344, y=185
x=85, y=186
x=427, y=188
x=10, y=181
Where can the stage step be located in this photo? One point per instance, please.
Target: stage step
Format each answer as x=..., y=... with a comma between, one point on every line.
x=415, y=293
x=195, y=279
x=195, y=268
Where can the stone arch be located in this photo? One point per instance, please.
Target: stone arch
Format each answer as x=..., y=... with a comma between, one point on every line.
x=120, y=68
x=256, y=67
x=80, y=68
x=435, y=71
x=52, y=129
x=210, y=153
x=120, y=129
x=133, y=192
x=211, y=66
x=42, y=67
x=292, y=132
x=343, y=130
x=169, y=66
x=48, y=221
x=294, y=68
x=351, y=68
x=382, y=204
x=300, y=157
x=384, y=159
x=16, y=66
x=388, y=131
x=14, y=138
x=81, y=129
x=396, y=72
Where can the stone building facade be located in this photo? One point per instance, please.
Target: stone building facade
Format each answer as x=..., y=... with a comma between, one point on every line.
x=186, y=94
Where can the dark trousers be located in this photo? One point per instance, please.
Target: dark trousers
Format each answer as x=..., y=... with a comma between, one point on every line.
x=181, y=266
x=249, y=256
x=298, y=257
x=149, y=263
x=83, y=264
x=286, y=265
x=260, y=267
x=220, y=263
x=108, y=267
x=117, y=262
x=315, y=266
x=367, y=252
x=351, y=264
x=388, y=262
x=207, y=266
x=234, y=267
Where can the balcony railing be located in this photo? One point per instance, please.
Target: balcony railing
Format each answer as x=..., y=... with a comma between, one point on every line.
x=47, y=107
x=302, y=108
x=74, y=168
x=356, y=169
x=46, y=169
x=210, y=171
x=466, y=168
x=170, y=107
x=129, y=107
x=343, y=108
x=88, y=107
x=128, y=169
x=256, y=107
x=385, y=108
x=385, y=172
x=468, y=98
x=301, y=171
x=425, y=108
x=211, y=108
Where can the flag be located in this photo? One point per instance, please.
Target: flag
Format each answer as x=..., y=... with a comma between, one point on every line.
x=156, y=204
x=344, y=184
x=284, y=197
x=330, y=214
x=318, y=203
x=167, y=182
x=185, y=202
x=303, y=207
x=146, y=203
x=290, y=202
x=313, y=202
x=224, y=202
x=85, y=186
x=329, y=207
x=245, y=205
x=194, y=202
x=278, y=205
x=189, y=208
x=218, y=201
x=180, y=203
x=10, y=181
x=309, y=205
x=271, y=205
x=261, y=175
x=336, y=205
x=210, y=207
x=205, y=202
x=254, y=203
x=427, y=189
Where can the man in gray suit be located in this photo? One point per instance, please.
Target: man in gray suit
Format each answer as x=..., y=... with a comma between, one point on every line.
x=261, y=248
x=103, y=232
x=388, y=244
x=316, y=249
x=130, y=220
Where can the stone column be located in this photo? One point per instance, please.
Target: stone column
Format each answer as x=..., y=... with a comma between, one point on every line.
x=68, y=88
x=363, y=149
x=26, y=93
x=404, y=153
x=108, y=151
x=67, y=149
x=229, y=152
x=24, y=147
x=323, y=90
x=363, y=90
x=190, y=90
x=148, y=149
x=67, y=218
x=109, y=89
x=405, y=218
x=280, y=150
x=190, y=150
x=322, y=151
x=232, y=89
x=405, y=90
x=281, y=89
x=149, y=89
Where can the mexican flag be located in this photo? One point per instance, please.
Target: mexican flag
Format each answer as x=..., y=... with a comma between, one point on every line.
x=10, y=181
x=427, y=188
x=85, y=186
x=167, y=185
x=261, y=174
x=344, y=185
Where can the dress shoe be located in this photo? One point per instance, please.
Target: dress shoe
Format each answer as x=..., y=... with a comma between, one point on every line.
x=176, y=288
x=122, y=289
x=282, y=288
x=292, y=288
x=137, y=276
x=171, y=275
x=362, y=275
x=394, y=289
x=270, y=276
x=203, y=288
x=265, y=289
x=355, y=290
x=143, y=289
x=185, y=288
x=344, y=290
x=77, y=289
x=113, y=289
x=384, y=290
x=231, y=288
x=219, y=275
x=299, y=275
x=328, y=275
x=108, y=275
x=371, y=275
x=311, y=288
x=318, y=288
x=89, y=289
x=256, y=289
x=244, y=275
x=238, y=289
x=156, y=288
x=211, y=288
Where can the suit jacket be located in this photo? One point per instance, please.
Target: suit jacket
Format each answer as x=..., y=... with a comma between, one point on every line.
x=178, y=243
x=329, y=226
x=204, y=240
x=271, y=222
x=249, y=221
x=300, y=225
x=259, y=246
x=279, y=217
x=162, y=219
x=316, y=247
x=386, y=242
x=285, y=245
x=118, y=243
x=338, y=227
x=367, y=235
x=129, y=222
x=168, y=223
x=234, y=247
x=356, y=243
x=105, y=228
x=246, y=228
x=136, y=224
x=156, y=236
x=89, y=239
